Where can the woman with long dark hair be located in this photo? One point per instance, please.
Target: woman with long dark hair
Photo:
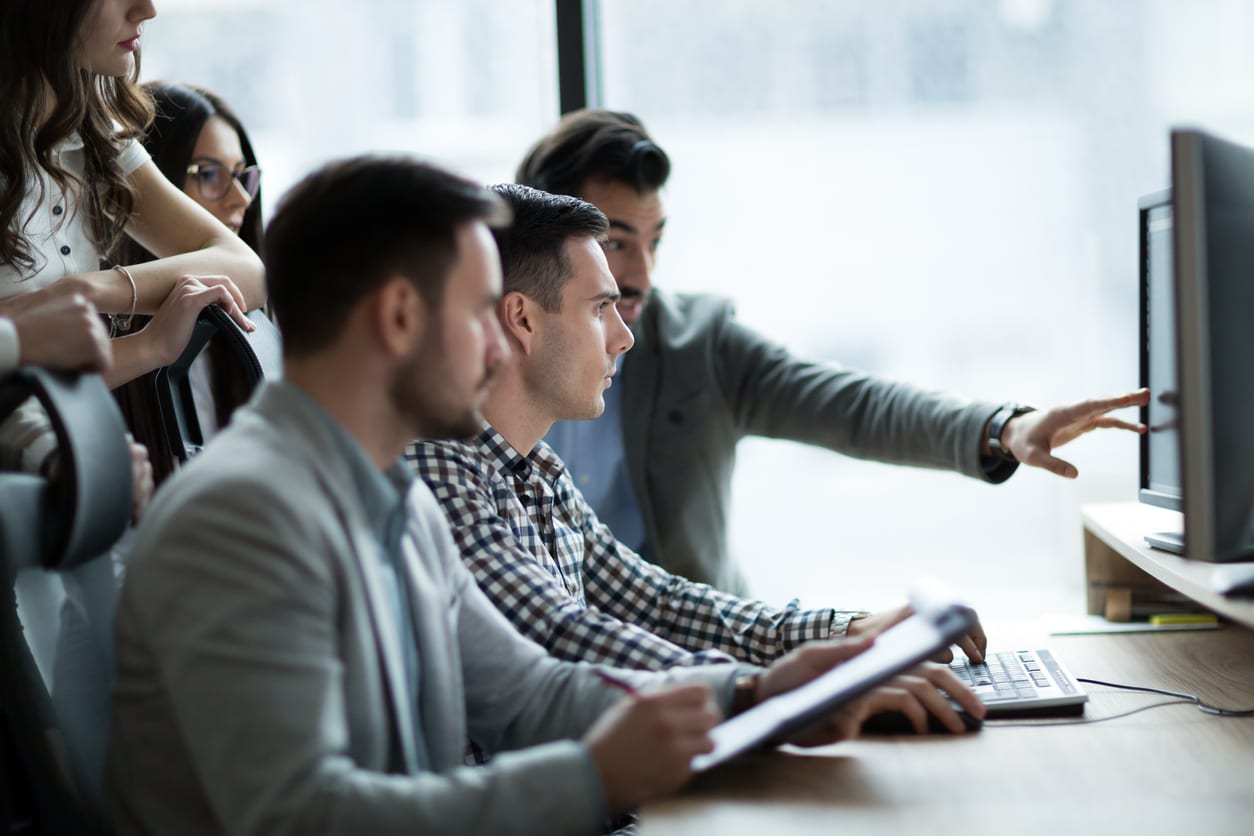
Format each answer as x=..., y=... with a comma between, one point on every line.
x=74, y=179
x=74, y=182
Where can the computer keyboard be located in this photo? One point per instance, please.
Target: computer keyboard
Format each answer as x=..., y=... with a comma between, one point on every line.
x=1022, y=682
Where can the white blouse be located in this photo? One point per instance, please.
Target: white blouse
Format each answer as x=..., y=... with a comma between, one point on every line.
x=61, y=242
x=59, y=235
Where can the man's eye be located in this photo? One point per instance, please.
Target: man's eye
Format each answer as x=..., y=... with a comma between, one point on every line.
x=612, y=246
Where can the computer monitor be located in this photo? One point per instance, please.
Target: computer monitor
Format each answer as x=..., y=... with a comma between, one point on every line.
x=1212, y=196
x=1160, y=482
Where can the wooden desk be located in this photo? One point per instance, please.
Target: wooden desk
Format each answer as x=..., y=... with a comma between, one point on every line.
x=1170, y=770
x=1123, y=573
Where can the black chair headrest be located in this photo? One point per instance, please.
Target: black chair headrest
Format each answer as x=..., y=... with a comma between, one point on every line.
x=87, y=505
x=257, y=354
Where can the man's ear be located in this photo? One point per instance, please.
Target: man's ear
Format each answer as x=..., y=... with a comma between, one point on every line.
x=519, y=318
x=400, y=316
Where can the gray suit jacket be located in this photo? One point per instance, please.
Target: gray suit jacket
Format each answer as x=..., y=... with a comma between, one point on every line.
x=697, y=381
x=259, y=686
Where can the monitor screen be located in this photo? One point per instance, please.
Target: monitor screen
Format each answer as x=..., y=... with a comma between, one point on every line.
x=1160, y=447
x=1212, y=189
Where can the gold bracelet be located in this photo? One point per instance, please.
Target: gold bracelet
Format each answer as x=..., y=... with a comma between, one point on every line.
x=123, y=323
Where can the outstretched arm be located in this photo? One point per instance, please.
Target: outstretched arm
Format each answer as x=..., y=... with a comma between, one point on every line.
x=1033, y=437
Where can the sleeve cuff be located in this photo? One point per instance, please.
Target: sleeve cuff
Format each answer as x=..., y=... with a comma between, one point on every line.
x=841, y=619
x=595, y=792
x=996, y=469
x=133, y=155
x=10, y=348
x=801, y=626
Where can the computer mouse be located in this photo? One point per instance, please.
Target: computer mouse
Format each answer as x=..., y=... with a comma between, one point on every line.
x=896, y=722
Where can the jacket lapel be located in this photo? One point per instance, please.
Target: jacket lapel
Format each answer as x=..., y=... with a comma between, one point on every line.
x=333, y=475
x=441, y=699
x=366, y=558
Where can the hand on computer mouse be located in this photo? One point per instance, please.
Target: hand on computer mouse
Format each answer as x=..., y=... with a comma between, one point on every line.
x=929, y=695
x=898, y=722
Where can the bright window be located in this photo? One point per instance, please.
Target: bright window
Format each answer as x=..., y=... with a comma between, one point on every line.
x=468, y=83
x=940, y=192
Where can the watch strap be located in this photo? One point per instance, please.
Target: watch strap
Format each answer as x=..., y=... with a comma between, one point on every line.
x=997, y=424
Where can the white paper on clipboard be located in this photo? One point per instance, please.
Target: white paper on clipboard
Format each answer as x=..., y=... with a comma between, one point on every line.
x=938, y=621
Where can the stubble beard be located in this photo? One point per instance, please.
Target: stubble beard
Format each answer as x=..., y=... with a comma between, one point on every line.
x=421, y=395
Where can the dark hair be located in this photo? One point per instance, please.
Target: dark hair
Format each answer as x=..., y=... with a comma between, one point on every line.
x=595, y=145
x=353, y=224
x=181, y=113
x=38, y=40
x=533, y=255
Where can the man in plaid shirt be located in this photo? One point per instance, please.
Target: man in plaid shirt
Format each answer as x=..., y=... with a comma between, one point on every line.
x=526, y=532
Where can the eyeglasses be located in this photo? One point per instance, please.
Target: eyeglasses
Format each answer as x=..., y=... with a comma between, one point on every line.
x=213, y=179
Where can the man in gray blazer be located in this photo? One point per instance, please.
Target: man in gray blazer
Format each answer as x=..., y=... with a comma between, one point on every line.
x=657, y=467
x=299, y=647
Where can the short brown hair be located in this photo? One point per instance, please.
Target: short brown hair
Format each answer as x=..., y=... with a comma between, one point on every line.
x=594, y=144
x=533, y=258
x=350, y=226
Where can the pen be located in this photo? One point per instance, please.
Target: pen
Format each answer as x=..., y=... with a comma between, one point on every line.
x=613, y=681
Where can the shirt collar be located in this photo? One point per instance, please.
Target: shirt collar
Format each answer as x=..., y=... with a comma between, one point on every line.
x=493, y=446
x=382, y=493
x=73, y=142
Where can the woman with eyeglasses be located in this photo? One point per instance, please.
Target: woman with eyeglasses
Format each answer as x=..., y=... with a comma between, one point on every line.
x=199, y=143
x=201, y=146
x=75, y=183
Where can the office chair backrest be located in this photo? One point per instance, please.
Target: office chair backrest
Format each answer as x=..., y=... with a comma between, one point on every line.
x=59, y=590
x=84, y=510
x=251, y=356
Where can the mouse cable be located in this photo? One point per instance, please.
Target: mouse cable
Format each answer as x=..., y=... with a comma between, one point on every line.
x=1193, y=698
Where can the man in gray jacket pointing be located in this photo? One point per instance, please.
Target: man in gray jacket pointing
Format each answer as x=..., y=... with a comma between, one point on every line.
x=657, y=466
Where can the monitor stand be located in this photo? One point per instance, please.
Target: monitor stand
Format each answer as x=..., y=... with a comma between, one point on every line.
x=1168, y=541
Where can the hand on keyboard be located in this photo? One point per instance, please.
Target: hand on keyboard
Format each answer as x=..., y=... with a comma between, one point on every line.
x=973, y=644
x=1021, y=681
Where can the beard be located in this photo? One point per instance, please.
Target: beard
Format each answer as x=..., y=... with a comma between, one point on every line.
x=424, y=393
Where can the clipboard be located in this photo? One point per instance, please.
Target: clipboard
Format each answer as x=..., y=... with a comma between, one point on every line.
x=938, y=621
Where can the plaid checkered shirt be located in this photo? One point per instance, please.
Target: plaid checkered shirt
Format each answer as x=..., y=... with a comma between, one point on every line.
x=541, y=555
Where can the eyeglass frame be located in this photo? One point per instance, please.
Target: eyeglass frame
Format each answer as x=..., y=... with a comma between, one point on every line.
x=235, y=177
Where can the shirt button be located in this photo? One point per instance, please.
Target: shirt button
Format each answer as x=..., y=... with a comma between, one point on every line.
x=65, y=249
x=57, y=210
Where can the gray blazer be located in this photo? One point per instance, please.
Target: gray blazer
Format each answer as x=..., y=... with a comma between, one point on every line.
x=697, y=381
x=259, y=688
